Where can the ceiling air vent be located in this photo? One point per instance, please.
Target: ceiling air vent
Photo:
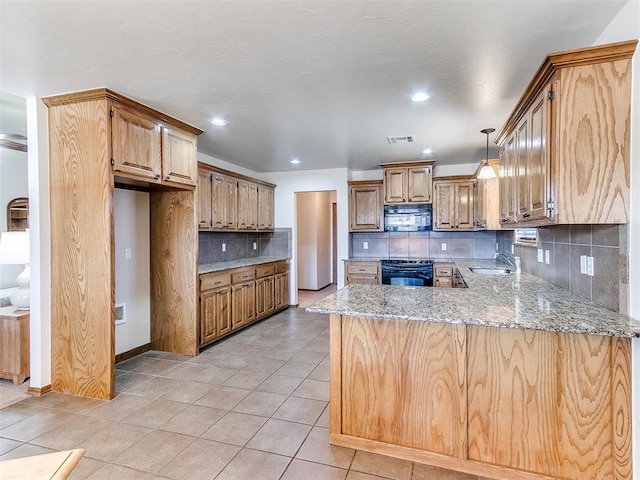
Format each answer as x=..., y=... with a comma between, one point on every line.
x=403, y=139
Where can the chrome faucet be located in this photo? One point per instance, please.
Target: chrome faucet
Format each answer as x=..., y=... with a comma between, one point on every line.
x=515, y=263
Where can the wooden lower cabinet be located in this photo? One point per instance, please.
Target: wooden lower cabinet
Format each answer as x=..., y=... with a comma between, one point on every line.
x=233, y=299
x=243, y=300
x=505, y=403
x=362, y=272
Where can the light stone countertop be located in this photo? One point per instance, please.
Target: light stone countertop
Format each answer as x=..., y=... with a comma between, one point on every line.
x=510, y=301
x=242, y=262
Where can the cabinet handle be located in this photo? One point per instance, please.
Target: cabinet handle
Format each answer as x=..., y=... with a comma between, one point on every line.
x=218, y=282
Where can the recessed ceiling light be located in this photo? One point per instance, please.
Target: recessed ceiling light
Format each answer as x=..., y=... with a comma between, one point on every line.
x=427, y=151
x=219, y=122
x=295, y=161
x=419, y=97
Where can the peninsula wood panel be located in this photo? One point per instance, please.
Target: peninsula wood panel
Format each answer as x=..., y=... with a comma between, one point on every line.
x=173, y=290
x=588, y=191
x=551, y=403
x=82, y=267
x=404, y=383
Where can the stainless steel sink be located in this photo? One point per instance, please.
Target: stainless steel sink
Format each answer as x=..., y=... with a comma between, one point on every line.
x=490, y=270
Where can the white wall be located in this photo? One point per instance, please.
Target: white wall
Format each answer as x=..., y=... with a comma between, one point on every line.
x=626, y=26
x=133, y=288
x=13, y=171
x=314, y=239
x=285, y=216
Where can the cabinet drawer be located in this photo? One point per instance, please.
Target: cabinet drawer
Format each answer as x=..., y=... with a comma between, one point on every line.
x=362, y=268
x=445, y=271
x=265, y=270
x=239, y=276
x=282, y=266
x=214, y=280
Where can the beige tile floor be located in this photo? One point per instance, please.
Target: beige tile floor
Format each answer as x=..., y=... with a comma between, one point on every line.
x=252, y=407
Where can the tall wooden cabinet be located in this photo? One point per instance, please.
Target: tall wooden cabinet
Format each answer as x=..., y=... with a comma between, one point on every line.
x=565, y=148
x=98, y=138
x=365, y=206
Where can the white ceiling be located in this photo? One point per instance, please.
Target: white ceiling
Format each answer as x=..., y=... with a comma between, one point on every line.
x=323, y=81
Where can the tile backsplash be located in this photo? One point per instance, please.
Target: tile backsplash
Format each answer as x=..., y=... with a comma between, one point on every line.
x=240, y=245
x=608, y=246
x=423, y=245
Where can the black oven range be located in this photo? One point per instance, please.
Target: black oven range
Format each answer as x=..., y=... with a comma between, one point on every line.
x=407, y=272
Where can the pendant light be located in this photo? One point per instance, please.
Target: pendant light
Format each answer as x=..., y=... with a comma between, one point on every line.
x=487, y=170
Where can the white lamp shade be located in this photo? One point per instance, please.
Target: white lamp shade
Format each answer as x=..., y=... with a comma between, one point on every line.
x=486, y=172
x=14, y=248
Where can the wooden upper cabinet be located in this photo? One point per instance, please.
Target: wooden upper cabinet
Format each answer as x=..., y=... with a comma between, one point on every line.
x=486, y=199
x=205, y=212
x=365, y=206
x=454, y=205
x=136, y=143
x=408, y=182
x=179, y=156
x=265, y=208
x=237, y=202
x=247, y=205
x=565, y=147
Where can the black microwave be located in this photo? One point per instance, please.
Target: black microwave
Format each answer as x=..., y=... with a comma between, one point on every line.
x=407, y=218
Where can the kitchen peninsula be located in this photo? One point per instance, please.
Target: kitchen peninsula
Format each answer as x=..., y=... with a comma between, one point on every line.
x=511, y=378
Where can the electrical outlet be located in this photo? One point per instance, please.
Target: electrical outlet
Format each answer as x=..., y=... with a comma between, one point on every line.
x=547, y=257
x=224, y=247
x=365, y=245
x=583, y=264
x=127, y=254
x=255, y=245
x=444, y=247
x=540, y=255
x=590, y=266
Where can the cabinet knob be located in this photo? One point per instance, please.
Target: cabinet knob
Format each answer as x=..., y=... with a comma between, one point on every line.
x=157, y=176
x=526, y=215
x=167, y=177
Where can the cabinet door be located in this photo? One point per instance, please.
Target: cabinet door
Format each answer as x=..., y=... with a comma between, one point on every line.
x=231, y=199
x=218, y=201
x=464, y=206
x=243, y=298
x=365, y=208
x=265, y=296
x=443, y=282
x=179, y=156
x=522, y=169
x=247, y=205
x=135, y=142
x=507, y=181
x=538, y=157
x=444, y=206
x=281, y=290
x=479, y=205
x=205, y=198
x=215, y=314
x=420, y=184
x=395, y=185
x=265, y=208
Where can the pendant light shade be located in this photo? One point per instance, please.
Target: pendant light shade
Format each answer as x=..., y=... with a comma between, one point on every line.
x=487, y=170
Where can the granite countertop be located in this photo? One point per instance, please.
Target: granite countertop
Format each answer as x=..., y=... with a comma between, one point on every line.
x=242, y=262
x=510, y=301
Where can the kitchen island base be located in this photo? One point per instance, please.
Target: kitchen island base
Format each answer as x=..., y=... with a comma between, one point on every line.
x=503, y=403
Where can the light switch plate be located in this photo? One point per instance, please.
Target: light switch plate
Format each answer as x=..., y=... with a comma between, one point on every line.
x=590, y=266
x=127, y=254
x=540, y=255
x=255, y=245
x=444, y=247
x=583, y=264
x=224, y=247
x=547, y=257
x=365, y=245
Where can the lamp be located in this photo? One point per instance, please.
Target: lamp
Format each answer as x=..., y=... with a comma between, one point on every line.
x=14, y=250
x=487, y=170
